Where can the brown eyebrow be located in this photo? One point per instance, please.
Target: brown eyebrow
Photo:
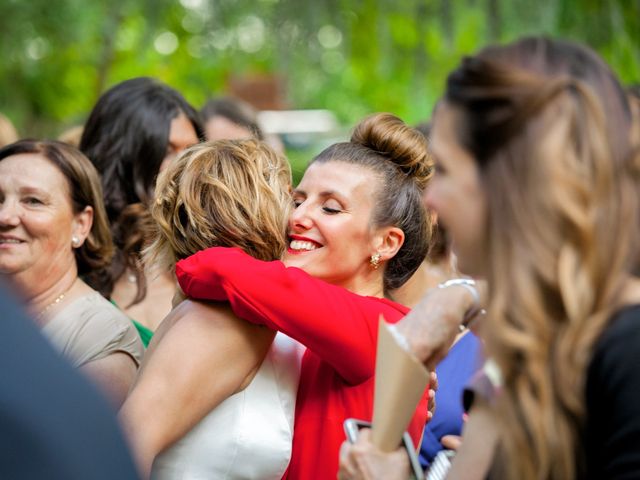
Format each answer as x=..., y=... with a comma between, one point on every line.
x=324, y=194
x=32, y=190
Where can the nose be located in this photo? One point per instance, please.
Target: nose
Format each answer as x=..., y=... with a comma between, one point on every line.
x=300, y=220
x=9, y=215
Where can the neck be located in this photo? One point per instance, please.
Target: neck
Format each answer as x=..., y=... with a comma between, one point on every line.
x=40, y=299
x=370, y=284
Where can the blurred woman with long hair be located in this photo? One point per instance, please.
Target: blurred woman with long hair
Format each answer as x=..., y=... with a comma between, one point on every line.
x=536, y=180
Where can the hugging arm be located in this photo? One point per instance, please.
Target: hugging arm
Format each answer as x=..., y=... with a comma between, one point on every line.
x=201, y=355
x=339, y=326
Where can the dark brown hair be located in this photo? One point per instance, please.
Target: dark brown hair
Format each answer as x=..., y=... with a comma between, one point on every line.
x=126, y=138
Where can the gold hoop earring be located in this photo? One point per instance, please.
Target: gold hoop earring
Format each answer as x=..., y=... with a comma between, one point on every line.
x=375, y=261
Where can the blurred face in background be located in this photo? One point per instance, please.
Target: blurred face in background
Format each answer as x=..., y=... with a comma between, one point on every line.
x=221, y=128
x=181, y=136
x=457, y=195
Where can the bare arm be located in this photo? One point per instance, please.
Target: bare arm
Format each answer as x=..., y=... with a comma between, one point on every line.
x=200, y=355
x=433, y=323
x=113, y=374
x=479, y=438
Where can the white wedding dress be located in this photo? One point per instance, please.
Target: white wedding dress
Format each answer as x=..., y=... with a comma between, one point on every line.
x=249, y=435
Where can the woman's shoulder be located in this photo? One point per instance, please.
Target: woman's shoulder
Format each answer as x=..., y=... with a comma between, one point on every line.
x=616, y=355
x=613, y=412
x=623, y=328
x=97, y=311
x=97, y=328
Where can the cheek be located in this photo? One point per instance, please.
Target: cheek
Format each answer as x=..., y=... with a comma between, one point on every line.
x=345, y=236
x=434, y=197
x=475, y=201
x=51, y=231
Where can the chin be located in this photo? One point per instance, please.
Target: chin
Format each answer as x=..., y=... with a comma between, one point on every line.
x=302, y=262
x=292, y=259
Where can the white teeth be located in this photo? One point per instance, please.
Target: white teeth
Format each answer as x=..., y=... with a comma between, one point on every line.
x=9, y=240
x=302, y=245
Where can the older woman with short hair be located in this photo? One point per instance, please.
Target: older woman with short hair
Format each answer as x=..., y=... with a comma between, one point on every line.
x=53, y=229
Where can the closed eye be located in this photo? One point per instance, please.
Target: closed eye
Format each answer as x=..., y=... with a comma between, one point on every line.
x=330, y=211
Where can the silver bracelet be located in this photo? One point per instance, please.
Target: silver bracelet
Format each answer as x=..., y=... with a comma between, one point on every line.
x=470, y=285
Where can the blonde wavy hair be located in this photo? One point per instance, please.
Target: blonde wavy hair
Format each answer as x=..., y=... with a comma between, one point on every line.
x=229, y=193
x=550, y=127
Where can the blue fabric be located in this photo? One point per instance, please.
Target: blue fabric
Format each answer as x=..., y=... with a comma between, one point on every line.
x=53, y=423
x=454, y=372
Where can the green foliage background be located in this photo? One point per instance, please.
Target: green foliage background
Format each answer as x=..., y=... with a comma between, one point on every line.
x=350, y=56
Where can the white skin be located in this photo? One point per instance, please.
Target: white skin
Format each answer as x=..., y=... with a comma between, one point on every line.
x=37, y=225
x=160, y=288
x=174, y=391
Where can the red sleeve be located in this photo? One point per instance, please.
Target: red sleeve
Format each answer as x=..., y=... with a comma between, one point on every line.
x=339, y=326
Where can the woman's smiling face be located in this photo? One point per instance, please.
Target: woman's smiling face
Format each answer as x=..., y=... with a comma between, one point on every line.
x=36, y=216
x=330, y=232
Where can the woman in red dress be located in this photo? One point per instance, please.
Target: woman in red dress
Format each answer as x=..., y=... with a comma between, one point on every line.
x=359, y=226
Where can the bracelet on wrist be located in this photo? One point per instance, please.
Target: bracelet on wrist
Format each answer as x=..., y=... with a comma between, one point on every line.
x=475, y=309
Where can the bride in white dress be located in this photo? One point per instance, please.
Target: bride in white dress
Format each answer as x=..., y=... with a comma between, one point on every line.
x=215, y=395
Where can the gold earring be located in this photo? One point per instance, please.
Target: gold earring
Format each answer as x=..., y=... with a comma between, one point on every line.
x=375, y=261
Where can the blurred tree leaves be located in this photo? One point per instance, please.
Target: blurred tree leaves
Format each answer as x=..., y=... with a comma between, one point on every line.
x=351, y=56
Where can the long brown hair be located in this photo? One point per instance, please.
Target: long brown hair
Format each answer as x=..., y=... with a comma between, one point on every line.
x=549, y=127
x=126, y=138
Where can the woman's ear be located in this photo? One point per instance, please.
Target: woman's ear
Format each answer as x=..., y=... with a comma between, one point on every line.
x=388, y=241
x=82, y=223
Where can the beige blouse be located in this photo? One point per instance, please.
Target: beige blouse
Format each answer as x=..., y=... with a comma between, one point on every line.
x=91, y=328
